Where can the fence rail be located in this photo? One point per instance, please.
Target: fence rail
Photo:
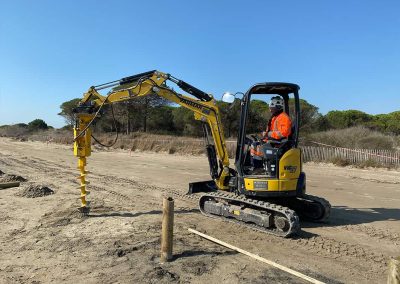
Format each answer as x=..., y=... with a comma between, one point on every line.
x=328, y=154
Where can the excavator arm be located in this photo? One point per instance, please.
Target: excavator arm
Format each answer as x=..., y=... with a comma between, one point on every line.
x=203, y=106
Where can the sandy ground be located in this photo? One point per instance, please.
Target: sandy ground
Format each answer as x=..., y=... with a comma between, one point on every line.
x=43, y=239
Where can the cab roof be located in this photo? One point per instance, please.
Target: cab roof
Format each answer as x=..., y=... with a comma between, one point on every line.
x=274, y=88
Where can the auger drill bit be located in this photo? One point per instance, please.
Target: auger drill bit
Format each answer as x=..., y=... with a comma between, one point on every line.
x=82, y=149
x=84, y=209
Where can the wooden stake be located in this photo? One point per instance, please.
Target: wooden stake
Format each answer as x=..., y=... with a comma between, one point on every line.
x=259, y=258
x=394, y=271
x=167, y=229
x=9, y=184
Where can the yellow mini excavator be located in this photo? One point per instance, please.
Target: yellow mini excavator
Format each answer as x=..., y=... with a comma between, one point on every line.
x=270, y=200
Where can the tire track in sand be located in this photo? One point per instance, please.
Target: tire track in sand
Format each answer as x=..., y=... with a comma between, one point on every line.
x=325, y=246
x=328, y=247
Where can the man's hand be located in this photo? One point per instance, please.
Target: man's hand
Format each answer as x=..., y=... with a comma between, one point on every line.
x=265, y=136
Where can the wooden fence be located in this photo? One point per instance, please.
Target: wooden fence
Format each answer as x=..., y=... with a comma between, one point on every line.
x=353, y=156
x=320, y=153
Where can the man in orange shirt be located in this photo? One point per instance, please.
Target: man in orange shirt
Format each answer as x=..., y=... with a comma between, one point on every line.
x=279, y=127
x=280, y=124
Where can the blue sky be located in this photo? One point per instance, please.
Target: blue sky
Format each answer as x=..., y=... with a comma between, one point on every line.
x=343, y=54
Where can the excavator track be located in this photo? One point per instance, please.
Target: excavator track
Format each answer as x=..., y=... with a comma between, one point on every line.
x=308, y=207
x=260, y=215
x=312, y=208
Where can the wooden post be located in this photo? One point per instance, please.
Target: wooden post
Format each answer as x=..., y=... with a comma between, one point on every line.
x=394, y=271
x=167, y=229
x=9, y=184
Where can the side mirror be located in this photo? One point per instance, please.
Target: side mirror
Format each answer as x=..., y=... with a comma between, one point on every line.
x=228, y=97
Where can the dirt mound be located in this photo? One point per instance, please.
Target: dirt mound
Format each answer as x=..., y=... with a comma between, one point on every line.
x=34, y=190
x=10, y=178
x=161, y=275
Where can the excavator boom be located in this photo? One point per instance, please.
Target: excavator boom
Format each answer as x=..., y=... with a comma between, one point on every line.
x=203, y=106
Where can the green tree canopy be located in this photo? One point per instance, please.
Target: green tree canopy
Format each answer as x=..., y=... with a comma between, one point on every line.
x=393, y=122
x=66, y=110
x=138, y=111
x=230, y=116
x=347, y=118
x=161, y=119
x=24, y=125
x=184, y=122
x=37, y=124
x=258, y=116
x=154, y=113
x=310, y=119
x=389, y=123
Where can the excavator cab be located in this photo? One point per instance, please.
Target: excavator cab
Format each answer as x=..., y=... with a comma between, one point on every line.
x=272, y=193
x=266, y=160
x=276, y=169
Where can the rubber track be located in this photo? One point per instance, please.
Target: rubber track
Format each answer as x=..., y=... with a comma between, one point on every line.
x=325, y=203
x=290, y=215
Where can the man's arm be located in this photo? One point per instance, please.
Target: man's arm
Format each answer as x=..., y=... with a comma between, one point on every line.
x=281, y=129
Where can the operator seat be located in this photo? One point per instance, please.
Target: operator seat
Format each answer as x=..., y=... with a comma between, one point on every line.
x=274, y=150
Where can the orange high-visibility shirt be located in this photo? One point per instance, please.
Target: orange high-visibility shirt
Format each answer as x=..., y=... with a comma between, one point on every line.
x=280, y=126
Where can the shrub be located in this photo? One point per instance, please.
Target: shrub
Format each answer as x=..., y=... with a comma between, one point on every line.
x=375, y=142
x=339, y=161
x=37, y=124
x=14, y=131
x=353, y=137
x=67, y=127
x=369, y=164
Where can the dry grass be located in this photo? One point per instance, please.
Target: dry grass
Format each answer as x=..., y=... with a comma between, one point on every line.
x=13, y=131
x=350, y=138
x=161, y=143
x=132, y=142
x=354, y=138
x=339, y=161
x=61, y=136
x=370, y=163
